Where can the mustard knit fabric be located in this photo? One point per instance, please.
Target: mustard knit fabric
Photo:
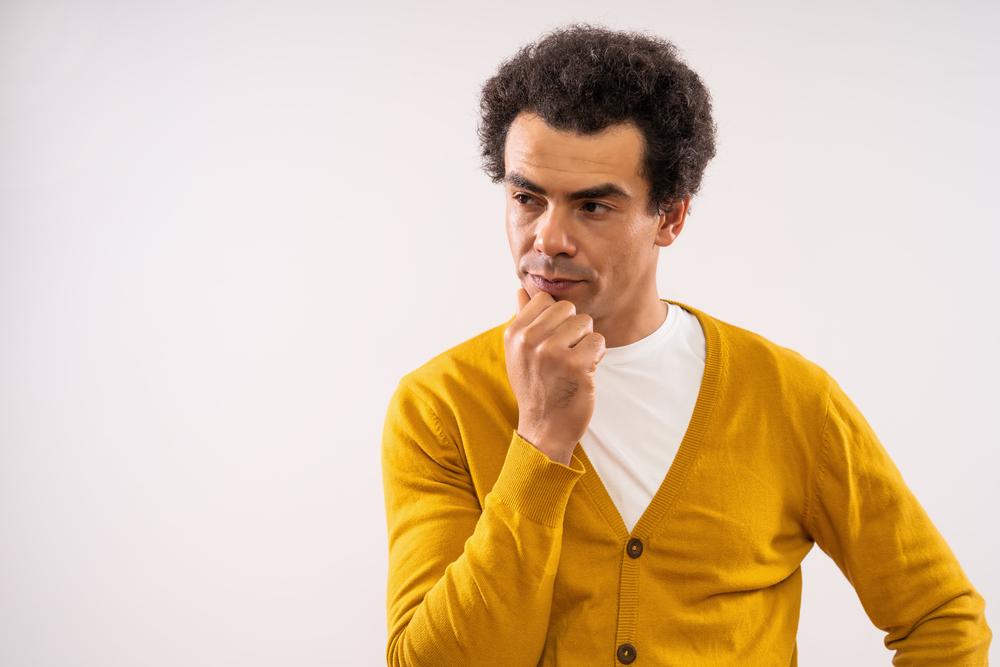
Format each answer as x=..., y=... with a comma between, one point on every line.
x=500, y=556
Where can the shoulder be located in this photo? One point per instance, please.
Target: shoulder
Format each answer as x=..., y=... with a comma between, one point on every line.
x=750, y=358
x=470, y=369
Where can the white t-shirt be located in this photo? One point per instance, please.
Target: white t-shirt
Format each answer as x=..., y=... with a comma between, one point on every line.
x=645, y=396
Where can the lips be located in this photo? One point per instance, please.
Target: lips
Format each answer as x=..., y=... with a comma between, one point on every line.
x=556, y=279
x=553, y=286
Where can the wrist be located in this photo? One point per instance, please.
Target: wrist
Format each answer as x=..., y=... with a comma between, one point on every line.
x=560, y=453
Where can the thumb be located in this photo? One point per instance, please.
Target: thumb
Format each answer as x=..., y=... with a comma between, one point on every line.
x=522, y=298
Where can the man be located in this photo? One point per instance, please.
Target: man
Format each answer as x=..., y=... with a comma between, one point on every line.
x=609, y=477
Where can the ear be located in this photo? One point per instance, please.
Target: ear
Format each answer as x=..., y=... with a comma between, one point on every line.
x=670, y=220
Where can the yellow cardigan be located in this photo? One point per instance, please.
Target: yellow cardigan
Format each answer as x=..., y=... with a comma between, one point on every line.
x=500, y=556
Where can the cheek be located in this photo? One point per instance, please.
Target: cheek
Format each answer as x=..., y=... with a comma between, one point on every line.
x=518, y=236
x=513, y=240
x=621, y=261
x=509, y=227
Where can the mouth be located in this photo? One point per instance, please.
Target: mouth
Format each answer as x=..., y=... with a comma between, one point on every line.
x=553, y=286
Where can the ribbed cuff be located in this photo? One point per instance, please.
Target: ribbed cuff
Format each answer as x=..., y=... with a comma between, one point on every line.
x=534, y=485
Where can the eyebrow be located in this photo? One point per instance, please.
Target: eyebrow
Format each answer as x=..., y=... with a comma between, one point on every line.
x=593, y=192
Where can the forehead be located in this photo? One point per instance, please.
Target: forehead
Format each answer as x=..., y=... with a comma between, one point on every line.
x=559, y=156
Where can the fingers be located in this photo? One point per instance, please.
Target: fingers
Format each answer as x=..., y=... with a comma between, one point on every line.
x=577, y=332
x=592, y=348
x=528, y=308
x=522, y=298
x=600, y=347
x=544, y=316
x=572, y=330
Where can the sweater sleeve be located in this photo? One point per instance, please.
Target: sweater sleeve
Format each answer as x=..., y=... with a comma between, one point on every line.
x=467, y=584
x=863, y=515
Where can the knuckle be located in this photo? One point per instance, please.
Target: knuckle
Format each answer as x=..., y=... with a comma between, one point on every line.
x=564, y=307
x=529, y=339
x=545, y=348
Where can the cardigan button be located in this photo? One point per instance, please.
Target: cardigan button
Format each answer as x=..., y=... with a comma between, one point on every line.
x=626, y=654
x=634, y=547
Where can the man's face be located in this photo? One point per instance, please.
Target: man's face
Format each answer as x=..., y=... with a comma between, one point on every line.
x=605, y=238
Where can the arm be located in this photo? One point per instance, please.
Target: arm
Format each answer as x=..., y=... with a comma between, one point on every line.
x=467, y=585
x=862, y=514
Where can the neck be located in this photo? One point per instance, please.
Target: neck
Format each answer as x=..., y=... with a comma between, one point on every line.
x=632, y=324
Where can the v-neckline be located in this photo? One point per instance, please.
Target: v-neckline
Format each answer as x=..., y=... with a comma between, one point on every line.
x=687, y=452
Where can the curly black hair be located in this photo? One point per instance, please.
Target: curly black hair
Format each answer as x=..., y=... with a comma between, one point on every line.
x=583, y=77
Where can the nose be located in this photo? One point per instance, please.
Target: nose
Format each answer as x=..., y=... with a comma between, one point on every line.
x=552, y=232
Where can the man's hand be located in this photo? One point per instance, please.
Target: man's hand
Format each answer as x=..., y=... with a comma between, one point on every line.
x=552, y=354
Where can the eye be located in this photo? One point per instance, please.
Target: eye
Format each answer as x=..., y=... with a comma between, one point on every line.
x=594, y=203
x=519, y=201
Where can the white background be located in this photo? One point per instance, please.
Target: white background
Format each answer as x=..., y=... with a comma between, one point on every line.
x=229, y=228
